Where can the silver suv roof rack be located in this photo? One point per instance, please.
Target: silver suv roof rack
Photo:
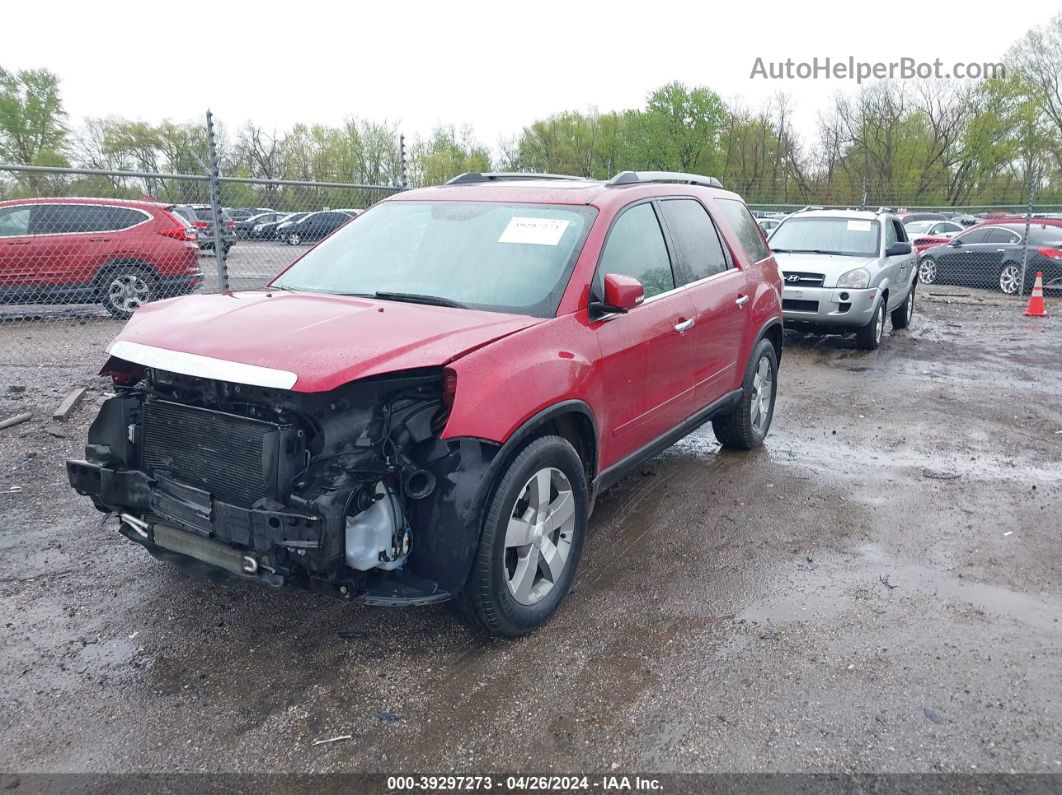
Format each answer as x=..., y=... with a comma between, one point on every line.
x=473, y=177
x=637, y=177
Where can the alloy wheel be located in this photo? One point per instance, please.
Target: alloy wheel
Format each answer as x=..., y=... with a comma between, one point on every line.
x=881, y=323
x=927, y=271
x=294, y=239
x=128, y=292
x=1009, y=278
x=538, y=538
x=762, y=390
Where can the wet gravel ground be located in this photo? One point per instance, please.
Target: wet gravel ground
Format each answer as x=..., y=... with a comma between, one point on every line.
x=877, y=589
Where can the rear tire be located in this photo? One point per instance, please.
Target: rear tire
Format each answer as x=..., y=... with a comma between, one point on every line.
x=1010, y=278
x=868, y=337
x=125, y=288
x=927, y=271
x=901, y=315
x=746, y=427
x=531, y=542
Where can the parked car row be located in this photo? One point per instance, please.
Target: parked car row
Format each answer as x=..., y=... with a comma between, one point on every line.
x=292, y=228
x=984, y=250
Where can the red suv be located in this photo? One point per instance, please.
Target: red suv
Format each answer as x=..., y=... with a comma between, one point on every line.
x=425, y=405
x=119, y=253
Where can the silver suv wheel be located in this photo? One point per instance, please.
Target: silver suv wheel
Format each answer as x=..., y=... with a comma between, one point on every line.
x=538, y=539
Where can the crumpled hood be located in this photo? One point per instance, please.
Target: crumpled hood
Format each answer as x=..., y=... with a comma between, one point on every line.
x=831, y=265
x=319, y=341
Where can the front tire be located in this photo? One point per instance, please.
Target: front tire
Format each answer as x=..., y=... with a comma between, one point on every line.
x=293, y=239
x=901, y=315
x=746, y=427
x=868, y=337
x=532, y=540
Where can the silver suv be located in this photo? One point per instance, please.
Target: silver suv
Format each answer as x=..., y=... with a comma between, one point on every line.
x=845, y=270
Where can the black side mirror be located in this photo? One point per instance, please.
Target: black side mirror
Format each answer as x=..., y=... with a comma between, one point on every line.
x=955, y=242
x=898, y=249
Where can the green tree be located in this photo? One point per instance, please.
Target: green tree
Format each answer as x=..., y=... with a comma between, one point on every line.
x=32, y=120
x=679, y=129
x=449, y=151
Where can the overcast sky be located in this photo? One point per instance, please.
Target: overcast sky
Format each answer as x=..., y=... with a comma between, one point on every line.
x=494, y=65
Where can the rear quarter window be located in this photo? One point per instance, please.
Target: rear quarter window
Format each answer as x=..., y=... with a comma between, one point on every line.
x=125, y=217
x=745, y=227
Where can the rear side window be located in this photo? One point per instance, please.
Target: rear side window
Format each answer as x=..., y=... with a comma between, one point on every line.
x=636, y=248
x=748, y=231
x=697, y=246
x=14, y=221
x=1001, y=236
x=125, y=217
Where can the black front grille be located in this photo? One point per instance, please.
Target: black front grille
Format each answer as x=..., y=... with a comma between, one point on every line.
x=224, y=454
x=800, y=306
x=794, y=279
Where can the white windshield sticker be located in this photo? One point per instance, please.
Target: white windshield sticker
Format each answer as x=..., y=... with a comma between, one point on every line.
x=536, y=231
x=859, y=226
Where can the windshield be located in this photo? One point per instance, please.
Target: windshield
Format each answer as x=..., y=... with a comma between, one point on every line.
x=918, y=227
x=483, y=255
x=853, y=237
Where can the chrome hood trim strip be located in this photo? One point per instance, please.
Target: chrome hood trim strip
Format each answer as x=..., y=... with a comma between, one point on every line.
x=202, y=366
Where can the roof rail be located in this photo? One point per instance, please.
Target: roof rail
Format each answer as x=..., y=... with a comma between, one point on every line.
x=636, y=177
x=474, y=177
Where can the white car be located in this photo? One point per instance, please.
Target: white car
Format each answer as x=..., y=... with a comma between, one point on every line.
x=933, y=229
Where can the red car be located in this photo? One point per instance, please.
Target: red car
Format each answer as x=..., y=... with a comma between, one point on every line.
x=425, y=405
x=120, y=253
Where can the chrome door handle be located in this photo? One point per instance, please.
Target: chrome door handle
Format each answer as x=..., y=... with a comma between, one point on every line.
x=742, y=300
x=684, y=326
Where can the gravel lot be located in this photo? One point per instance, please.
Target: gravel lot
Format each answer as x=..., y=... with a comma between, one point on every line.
x=876, y=589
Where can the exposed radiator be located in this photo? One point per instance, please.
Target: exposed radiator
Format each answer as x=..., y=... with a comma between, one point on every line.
x=234, y=458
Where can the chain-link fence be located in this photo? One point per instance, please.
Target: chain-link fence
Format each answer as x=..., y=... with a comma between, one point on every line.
x=82, y=249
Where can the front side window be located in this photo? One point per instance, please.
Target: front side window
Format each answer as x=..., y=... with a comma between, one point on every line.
x=854, y=237
x=974, y=236
x=746, y=228
x=495, y=256
x=890, y=234
x=635, y=247
x=14, y=221
x=698, y=249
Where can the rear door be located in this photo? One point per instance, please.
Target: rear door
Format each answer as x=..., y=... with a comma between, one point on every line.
x=719, y=292
x=645, y=353
x=60, y=241
x=16, y=247
x=73, y=240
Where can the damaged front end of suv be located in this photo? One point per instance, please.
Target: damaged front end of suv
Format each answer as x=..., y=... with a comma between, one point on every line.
x=351, y=492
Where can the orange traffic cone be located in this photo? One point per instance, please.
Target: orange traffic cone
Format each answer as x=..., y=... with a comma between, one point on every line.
x=1036, y=300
